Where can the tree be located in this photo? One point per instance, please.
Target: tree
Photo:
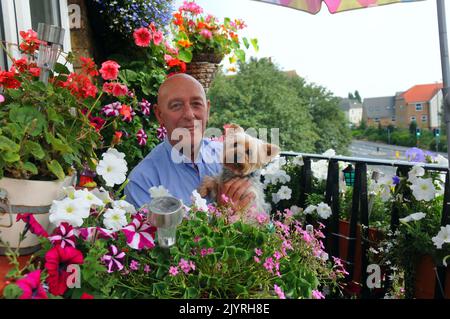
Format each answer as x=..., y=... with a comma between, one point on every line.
x=357, y=96
x=262, y=96
x=412, y=128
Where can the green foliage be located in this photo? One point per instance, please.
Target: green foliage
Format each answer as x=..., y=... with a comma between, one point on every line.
x=43, y=136
x=262, y=96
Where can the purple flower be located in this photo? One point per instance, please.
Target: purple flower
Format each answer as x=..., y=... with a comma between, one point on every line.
x=112, y=109
x=161, y=132
x=145, y=107
x=114, y=260
x=279, y=292
x=134, y=265
x=415, y=155
x=395, y=180
x=147, y=268
x=141, y=137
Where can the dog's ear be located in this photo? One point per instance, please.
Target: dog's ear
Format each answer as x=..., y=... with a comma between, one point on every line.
x=233, y=128
x=272, y=150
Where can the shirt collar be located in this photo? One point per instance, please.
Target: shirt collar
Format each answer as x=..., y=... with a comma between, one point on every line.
x=180, y=158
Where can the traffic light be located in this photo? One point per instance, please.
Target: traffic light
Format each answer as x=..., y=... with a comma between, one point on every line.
x=418, y=132
x=437, y=132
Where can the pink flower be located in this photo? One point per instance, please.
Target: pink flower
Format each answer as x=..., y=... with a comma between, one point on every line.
x=119, y=89
x=109, y=70
x=57, y=261
x=139, y=234
x=257, y=260
x=134, y=265
x=114, y=260
x=161, y=132
x=269, y=264
x=206, y=34
x=146, y=268
x=262, y=219
x=88, y=233
x=145, y=107
x=173, y=271
x=141, y=137
x=112, y=109
x=224, y=198
x=277, y=255
x=2, y=98
x=316, y=294
x=31, y=286
x=191, y=7
x=32, y=224
x=63, y=235
x=197, y=239
x=184, y=265
x=279, y=292
x=258, y=252
x=157, y=37
x=142, y=37
x=170, y=49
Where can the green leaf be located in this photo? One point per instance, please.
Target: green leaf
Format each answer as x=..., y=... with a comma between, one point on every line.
x=30, y=167
x=61, y=68
x=56, y=169
x=240, y=54
x=35, y=149
x=185, y=55
x=191, y=293
x=28, y=116
x=53, y=115
x=7, y=145
x=246, y=44
x=254, y=42
x=10, y=157
x=128, y=75
x=12, y=291
x=58, y=144
x=15, y=94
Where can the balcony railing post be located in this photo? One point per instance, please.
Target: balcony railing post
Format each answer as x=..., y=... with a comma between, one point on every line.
x=305, y=184
x=364, y=208
x=332, y=199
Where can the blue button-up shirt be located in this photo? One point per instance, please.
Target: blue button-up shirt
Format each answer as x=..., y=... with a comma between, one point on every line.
x=165, y=166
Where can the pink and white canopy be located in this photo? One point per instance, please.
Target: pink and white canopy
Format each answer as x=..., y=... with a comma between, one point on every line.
x=313, y=6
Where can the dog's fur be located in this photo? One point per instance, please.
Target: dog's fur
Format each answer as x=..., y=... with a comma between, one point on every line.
x=243, y=157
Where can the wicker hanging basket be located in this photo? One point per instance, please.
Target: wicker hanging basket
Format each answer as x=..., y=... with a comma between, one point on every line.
x=203, y=67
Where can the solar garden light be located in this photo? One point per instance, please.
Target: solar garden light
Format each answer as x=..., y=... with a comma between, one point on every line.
x=349, y=175
x=52, y=38
x=166, y=213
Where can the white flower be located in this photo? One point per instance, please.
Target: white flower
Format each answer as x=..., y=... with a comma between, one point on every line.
x=415, y=172
x=329, y=152
x=69, y=210
x=158, y=191
x=295, y=210
x=298, y=160
x=88, y=197
x=115, y=219
x=320, y=169
x=412, y=217
x=323, y=210
x=284, y=192
x=441, y=160
x=102, y=194
x=423, y=189
x=442, y=237
x=198, y=201
x=275, y=198
x=310, y=209
x=386, y=179
x=112, y=167
x=124, y=205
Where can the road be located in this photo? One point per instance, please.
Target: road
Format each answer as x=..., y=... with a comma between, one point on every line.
x=379, y=150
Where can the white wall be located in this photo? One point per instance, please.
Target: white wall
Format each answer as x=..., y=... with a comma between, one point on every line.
x=435, y=108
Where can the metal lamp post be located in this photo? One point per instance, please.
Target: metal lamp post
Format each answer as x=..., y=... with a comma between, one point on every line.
x=52, y=39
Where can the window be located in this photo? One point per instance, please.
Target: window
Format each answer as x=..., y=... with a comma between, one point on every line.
x=419, y=107
x=393, y=119
x=413, y=118
x=46, y=11
x=424, y=118
x=377, y=119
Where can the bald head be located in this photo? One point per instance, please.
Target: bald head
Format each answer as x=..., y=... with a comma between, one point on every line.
x=174, y=82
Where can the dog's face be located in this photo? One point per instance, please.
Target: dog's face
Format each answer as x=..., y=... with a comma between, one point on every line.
x=243, y=153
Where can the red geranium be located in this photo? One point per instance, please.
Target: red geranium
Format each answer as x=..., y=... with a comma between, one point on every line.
x=30, y=41
x=8, y=80
x=57, y=260
x=142, y=37
x=109, y=70
x=88, y=66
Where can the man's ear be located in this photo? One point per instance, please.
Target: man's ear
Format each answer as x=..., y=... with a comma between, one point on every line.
x=208, y=106
x=158, y=114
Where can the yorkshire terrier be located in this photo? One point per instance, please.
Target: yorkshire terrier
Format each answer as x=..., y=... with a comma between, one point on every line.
x=243, y=157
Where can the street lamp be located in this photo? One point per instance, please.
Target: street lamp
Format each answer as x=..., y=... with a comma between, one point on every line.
x=52, y=39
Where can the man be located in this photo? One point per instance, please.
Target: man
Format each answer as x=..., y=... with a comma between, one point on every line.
x=185, y=157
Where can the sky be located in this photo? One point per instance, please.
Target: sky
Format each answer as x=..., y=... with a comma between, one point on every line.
x=378, y=51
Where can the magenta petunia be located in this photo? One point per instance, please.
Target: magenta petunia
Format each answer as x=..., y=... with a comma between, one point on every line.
x=63, y=235
x=32, y=224
x=31, y=286
x=141, y=137
x=139, y=234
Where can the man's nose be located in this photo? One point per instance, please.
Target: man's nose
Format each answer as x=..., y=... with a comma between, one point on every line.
x=188, y=112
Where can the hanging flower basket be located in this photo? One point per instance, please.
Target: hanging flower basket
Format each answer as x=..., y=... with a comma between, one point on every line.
x=204, y=67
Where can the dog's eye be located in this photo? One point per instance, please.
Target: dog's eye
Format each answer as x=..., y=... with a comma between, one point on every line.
x=247, y=152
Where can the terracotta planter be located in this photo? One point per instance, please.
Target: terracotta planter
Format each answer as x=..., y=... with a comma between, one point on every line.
x=25, y=196
x=425, y=279
x=344, y=229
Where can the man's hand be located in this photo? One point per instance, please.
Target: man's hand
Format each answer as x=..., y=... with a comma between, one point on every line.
x=236, y=190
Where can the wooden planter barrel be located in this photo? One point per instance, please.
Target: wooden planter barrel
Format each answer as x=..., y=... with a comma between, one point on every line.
x=26, y=196
x=425, y=279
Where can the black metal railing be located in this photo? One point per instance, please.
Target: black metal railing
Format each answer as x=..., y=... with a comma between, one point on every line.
x=360, y=209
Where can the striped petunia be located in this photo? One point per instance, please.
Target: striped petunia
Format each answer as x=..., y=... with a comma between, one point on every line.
x=114, y=260
x=63, y=235
x=139, y=234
